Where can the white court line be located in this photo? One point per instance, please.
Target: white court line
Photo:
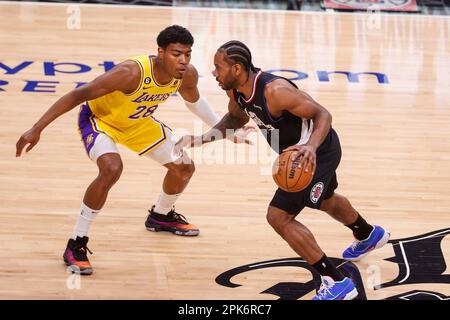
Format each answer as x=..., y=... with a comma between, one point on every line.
x=424, y=292
x=427, y=237
x=406, y=264
x=400, y=243
x=274, y=262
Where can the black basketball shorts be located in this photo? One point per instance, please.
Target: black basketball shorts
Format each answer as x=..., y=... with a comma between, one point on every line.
x=323, y=184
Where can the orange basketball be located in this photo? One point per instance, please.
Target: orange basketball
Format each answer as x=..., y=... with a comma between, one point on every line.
x=287, y=175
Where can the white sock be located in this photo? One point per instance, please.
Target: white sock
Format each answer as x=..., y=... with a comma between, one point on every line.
x=165, y=202
x=85, y=218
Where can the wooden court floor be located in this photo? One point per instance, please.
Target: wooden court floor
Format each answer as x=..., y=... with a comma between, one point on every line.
x=394, y=130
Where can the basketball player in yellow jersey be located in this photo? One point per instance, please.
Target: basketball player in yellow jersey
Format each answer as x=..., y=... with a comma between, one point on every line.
x=119, y=107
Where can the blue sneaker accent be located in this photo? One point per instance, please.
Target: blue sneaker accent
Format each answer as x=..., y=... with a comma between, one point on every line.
x=359, y=249
x=331, y=290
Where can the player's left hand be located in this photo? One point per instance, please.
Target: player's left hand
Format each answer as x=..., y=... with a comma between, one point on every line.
x=187, y=141
x=307, y=156
x=241, y=135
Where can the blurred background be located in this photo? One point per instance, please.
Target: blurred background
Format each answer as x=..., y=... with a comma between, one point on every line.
x=432, y=7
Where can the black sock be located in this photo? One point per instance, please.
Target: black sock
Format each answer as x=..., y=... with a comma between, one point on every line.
x=361, y=229
x=160, y=216
x=326, y=268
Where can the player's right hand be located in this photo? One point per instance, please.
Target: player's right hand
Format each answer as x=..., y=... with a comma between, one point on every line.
x=307, y=156
x=31, y=137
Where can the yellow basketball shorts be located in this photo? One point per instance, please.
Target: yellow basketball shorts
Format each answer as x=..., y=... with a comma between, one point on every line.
x=143, y=138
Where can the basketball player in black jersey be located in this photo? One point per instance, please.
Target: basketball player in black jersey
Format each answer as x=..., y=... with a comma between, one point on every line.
x=291, y=120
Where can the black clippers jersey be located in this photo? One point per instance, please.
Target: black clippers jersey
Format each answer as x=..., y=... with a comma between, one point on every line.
x=281, y=132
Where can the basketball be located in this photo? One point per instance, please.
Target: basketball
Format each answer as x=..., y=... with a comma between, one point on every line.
x=287, y=175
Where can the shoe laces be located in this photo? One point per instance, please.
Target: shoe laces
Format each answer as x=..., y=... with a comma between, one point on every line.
x=83, y=248
x=355, y=244
x=324, y=290
x=178, y=217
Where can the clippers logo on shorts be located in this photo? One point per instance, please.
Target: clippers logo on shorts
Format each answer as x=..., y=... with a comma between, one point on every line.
x=316, y=192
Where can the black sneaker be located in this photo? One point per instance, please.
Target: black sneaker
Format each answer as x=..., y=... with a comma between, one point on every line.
x=172, y=222
x=75, y=256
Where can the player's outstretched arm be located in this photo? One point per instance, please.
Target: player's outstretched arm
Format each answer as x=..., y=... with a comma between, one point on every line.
x=225, y=128
x=233, y=120
x=123, y=77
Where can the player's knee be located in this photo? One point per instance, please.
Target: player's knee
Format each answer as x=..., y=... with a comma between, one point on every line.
x=272, y=220
x=278, y=219
x=111, y=171
x=184, y=171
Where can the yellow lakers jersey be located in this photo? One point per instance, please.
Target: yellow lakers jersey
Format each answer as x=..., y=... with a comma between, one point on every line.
x=123, y=111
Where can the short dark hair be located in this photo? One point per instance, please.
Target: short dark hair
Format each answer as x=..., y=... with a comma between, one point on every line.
x=174, y=34
x=238, y=52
